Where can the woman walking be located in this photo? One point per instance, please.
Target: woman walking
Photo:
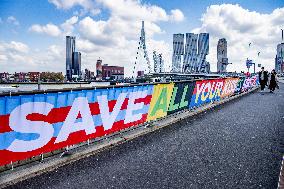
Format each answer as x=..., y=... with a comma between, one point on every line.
x=273, y=81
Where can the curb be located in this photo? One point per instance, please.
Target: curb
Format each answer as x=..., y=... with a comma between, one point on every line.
x=281, y=176
x=33, y=169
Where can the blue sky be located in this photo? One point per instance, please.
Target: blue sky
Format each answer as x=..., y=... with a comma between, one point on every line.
x=18, y=17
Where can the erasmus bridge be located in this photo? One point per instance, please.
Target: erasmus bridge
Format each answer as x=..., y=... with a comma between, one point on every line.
x=216, y=132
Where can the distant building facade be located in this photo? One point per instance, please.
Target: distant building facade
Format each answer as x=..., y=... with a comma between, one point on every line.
x=178, y=51
x=89, y=75
x=99, y=69
x=34, y=76
x=4, y=77
x=222, y=59
x=112, y=72
x=279, y=59
x=140, y=73
x=31, y=77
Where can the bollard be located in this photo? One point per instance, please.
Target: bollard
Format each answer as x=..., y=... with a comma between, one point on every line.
x=12, y=167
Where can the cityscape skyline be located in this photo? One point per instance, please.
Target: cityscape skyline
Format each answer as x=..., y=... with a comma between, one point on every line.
x=36, y=42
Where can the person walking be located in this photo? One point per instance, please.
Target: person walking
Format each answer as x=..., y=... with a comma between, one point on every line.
x=273, y=81
x=263, y=78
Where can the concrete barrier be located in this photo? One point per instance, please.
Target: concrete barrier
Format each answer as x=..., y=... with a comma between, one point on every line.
x=158, y=119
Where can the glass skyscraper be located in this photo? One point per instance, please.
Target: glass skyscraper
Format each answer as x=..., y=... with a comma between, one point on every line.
x=279, y=60
x=203, y=50
x=190, y=53
x=76, y=64
x=70, y=49
x=194, y=53
x=222, y=59
x=178, y=51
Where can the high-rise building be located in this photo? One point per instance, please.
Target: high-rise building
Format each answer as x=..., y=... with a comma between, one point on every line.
x=203, y=50
x=178, y=51
x=222, y=59
x=70, y=49
x=279, y=59
x=190, y=53
x=76, y=67
x=99, y=69
x=194, y=55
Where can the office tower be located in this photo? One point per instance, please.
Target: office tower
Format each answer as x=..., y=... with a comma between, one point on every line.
x=178, y=51
x=70, y=49
x=193, y=53
x=76, y=67
x=203, y=50
x=190, y=53
x=222, y=59
x=99, y=69
x=279, y=60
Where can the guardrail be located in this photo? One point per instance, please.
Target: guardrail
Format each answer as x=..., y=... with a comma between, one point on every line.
x=42, y=123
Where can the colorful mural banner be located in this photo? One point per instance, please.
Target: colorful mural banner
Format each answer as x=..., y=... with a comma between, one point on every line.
x=35, y=124
x=249, y=83
x=240, y=85
x=230, y=86
x=160, y=101
x=206, y=91
x=181, y=96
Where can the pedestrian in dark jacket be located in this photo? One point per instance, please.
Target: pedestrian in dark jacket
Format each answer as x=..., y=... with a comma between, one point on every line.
x=263, y=78
x=272, y=81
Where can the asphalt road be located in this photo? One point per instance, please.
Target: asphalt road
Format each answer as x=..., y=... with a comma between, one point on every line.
x=236, y=145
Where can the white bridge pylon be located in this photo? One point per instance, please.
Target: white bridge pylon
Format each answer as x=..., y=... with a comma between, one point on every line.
x=141, y=51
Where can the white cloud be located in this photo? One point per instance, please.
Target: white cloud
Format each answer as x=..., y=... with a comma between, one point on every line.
x=14, y=46
x=95, y=12
x=133, y=10
x=68, y=25
x=49, y=29
x=55, y=51
x=88, y=6
x=67, y=4
x=17, y=57
x=3, y=58
x=241, y=27
x=13, y=20
x=14, y=56
x=176, y=15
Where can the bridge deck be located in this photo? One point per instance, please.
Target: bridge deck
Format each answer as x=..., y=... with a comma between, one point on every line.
x=237, y=145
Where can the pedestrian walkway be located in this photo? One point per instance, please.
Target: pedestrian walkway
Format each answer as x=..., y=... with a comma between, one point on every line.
x=237, y=145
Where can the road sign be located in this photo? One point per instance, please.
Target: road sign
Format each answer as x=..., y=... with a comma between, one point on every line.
x=249, y=63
